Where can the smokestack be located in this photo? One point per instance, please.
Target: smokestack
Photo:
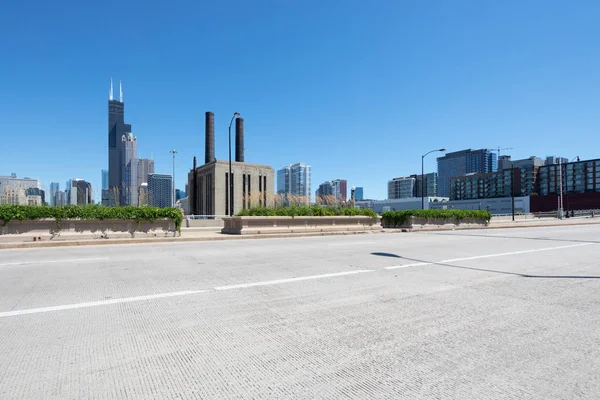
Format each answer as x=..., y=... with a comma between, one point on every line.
x=239, y=140
x=209, y=150
x=192, y=194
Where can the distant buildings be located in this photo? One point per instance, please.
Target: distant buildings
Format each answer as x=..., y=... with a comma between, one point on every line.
x=20, y=191
x=295, y=179
x=179, y=194
x=160, y=190
x=337, y=189
x=117, y=161
x=79, y=192
x=464, y=162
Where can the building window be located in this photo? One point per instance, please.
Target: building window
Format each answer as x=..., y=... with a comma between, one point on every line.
x=244, y=191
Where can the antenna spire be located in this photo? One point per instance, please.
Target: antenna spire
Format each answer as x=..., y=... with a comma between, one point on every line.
x=121, y=91
x=110, y=94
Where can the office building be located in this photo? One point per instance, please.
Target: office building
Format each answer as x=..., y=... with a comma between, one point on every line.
x=295, y=179
x=60, y=199
x=104, y=179
x=36, y=192
x=209, y=185
x=129, y=173
x=160, y=190
x=429, y=184
x=358, y=193
x=54, y=187
x=179, y=194
x=506, y=162
x=117, y=130
x=145, y=166
x=461, y=163
x=79, y=193
x=143, y=199
x=401, y=188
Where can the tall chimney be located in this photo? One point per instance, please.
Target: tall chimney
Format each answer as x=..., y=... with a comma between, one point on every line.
x=192, y=194
x=239, y=140
x=209, y=149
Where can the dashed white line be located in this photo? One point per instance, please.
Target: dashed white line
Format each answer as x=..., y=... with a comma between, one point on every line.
x=54, y=261
x=97, y=303
x=512, y=253
x=300, y=278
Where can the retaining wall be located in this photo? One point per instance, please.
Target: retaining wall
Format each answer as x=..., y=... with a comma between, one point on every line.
x=270, y=225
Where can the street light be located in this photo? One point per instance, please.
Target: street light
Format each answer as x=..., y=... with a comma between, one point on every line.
x=235, y=115
x=423, y=176
x=173, y=194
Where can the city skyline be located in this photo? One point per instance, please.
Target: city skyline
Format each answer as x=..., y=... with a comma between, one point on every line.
x=497, y=79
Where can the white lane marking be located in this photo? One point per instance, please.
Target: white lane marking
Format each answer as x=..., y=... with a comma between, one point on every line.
x=97, y=303
x=349, y=243
x=512, y=253
x=54, y=261
x=300, y=278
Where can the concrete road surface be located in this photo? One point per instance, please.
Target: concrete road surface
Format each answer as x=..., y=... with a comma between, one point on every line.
x=490, y=314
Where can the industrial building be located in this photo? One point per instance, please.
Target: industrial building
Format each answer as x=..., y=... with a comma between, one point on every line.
x=209, y=185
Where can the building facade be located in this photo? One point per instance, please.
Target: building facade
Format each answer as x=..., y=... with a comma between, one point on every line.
x=104, y=174
x=426, y=183
x=401, y=188
x=295, y=179
x=160, y=190
x=117, y=130
x=80, y=192
x=54, y=187
x=461, y=163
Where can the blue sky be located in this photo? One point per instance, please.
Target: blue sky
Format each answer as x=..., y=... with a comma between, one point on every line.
x=357, y=89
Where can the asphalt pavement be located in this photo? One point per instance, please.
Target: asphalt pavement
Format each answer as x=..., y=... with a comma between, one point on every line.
x=477, y=314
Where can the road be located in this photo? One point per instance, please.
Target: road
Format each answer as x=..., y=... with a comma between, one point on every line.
x=481, y=314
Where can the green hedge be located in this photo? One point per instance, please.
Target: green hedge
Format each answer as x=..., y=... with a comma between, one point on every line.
x=392, y=218
x=11, y=212
x=304, y=211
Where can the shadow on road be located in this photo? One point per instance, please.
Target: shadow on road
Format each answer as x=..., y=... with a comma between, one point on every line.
x=489, y=270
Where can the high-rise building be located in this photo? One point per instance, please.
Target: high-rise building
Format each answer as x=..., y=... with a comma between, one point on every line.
x=54, y=187
x=358, y=193
x=179, y=194
x=160, y=190
x=295, y=179
x=129, y=153
x=429, y=185
x=337, y=188
x=104, y=179
x=461, y=163
x=401, y=188
x=117, y=130
x=37, y=192
x=80, y=192
x=60, y=198
x=145, y=166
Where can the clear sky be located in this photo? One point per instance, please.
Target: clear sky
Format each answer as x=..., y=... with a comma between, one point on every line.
x=357, y=89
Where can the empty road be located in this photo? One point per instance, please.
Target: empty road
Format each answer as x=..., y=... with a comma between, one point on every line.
x=478, y=314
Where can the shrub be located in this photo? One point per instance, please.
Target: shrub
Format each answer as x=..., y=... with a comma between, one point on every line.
x=304, y=211
x=394, y=218
x=13, y=212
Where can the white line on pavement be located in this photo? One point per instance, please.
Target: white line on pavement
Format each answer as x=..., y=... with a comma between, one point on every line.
x=97, y=303
x=53, y=261
x=512, y=253
x=300, y=278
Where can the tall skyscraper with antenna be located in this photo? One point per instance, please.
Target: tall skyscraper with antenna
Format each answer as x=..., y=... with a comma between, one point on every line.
x=116, y=194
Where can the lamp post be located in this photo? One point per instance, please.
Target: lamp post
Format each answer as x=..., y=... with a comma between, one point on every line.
x=423, y=176
x=235, y=115
x=173, y=194
x=567, y=185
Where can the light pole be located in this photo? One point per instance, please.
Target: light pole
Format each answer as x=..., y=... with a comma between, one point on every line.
x=173, y=194
x=423, y=176
x=567, y=185
x=235, y=115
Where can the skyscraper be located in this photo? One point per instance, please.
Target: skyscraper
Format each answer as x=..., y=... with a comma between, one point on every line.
x=104, y=179
x=401, y=188
x=358, y=193
x=54, y=187
x=295, y=179
x=337, y=188
x=129, y=169
x=117, y=129
x=464, y=162
x=160, y=190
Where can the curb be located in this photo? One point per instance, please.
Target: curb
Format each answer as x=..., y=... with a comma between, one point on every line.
x=101, y=242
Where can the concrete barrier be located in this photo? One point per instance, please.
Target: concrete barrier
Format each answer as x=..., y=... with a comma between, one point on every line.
x=74, y=229
x=273, y=225
x=424, y=224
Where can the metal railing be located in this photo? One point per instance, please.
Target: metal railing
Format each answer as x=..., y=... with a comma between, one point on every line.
x=206, y=216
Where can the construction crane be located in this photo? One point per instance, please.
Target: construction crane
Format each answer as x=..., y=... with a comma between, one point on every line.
x=498, y=149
